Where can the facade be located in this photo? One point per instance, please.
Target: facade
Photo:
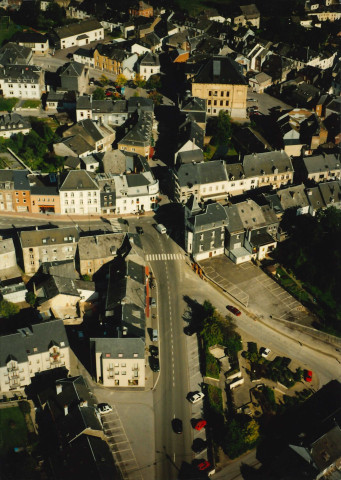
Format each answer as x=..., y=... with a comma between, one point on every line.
x=119, y=362
x=84, y=56
x=41, y=246
x=8, y=257
x=320, y=168
x=32, y=350
x=22, y=81
x=97, y=250
x=110, y=112
x=80, y=34
x=204, y=229
x=79, y=194
x=12, y=123
x=109, y=58
x=140, y=137
x=14, y=191
x=149, y=65
x=221, y=84
x=270, y=168
x=75, y=76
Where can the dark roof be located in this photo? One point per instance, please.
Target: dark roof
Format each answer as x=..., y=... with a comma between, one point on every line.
x=78, y=180
x=72, y=69
x=22, y=72
x=142, y=103
x=190, y=130
x=54, y=285
x=112, y=51
x=267, y=163
x=29, y=37
x=43, y=184
x=322, y=163
x=140, y=134
x=126, y=346
x=87, y=128
x=201, y=173
x=77, y=28
x=14, y=121
x=12, y=53
x=137, y=180
x=190, y=156
x=214, y=215
x=33, y=339
x=18, y=177
x=220, y=70
x=150, y=59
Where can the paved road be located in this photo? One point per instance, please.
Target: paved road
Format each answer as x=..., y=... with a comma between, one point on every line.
x=265, y=102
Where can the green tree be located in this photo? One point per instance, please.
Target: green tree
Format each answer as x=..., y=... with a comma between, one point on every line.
x=212, y=332
x=55, y=13
x=223, y=135
x=8, y=309
x=121, y=80
x=103, y=80
x=98, y=94
x=154, y=82
x=30, y=298
x=139, y=81
x=156, y=97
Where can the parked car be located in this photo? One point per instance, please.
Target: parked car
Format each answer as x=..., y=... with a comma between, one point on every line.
x=196, y=397
x=154, y=364
x=108, y=93
x=233, y=310
x=199, y=445
x=200, y=424
x=203, y=465
x=139, y=230
x=104, y=408
x=308, y=375
x=265, y=352
x=177, y=425
x=154, y=350
x=189, y=330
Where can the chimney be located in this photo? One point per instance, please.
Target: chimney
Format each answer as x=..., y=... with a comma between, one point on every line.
x=66, y=410
x=59, y=388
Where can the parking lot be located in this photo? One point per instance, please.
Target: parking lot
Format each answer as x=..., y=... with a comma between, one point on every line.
x=265, y=102
x=254, y=289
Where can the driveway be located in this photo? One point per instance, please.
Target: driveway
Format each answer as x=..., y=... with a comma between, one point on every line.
x=255, y=290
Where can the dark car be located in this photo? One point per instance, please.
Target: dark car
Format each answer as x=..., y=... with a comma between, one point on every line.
x=233, y=310
x=199, y=445
x=189, y=330
x=154, y=364
x=177, y=425
x=139, y=230
x=154, y=350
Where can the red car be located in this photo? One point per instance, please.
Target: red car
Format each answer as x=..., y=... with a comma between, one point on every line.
x=200, y=424
x=308, y=375
x=233, y=310
x=204, y=465
x=108, y=94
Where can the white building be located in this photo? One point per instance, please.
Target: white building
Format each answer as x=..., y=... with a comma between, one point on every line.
x=81, y=33
x=32, y=350
x=8, y=257
x=136, y=192
x=12, y=123
x=149, y=65
x=79, y=194
x=22, y=81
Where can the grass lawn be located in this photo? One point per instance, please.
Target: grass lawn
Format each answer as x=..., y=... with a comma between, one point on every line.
x=13, y=431
x=215, y=398
x=31, y=104
x=7, y=30
x=7, y=104
x=196, y=6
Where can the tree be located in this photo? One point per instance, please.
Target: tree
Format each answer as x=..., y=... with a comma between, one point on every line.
x=31, y=298
x=156, y=97
x=139, y=81
x=223, y=135
x=154, y=82
x=98, y=94
x=212, y=332
x=251, y=433
x=8, y=309
x=121, y=80
x=103, y=80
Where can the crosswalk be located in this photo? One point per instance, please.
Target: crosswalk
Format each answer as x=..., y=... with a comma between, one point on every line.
x=164, y=256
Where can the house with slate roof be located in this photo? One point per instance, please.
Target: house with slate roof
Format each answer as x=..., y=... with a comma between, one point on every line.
x=31, y=350
x=14, y=191
x=44, y=193
x=222, y=85
x=320, y=168
x=79, y=193
x=204, y=229
x=269, y=168
x=74, y=76
x=42, y=246
x=13, y=54
x=12, y=123
x=149, y=65
x=80, y=34
x=22, y=81
x=195, y=109
x=110, y=112
x=139, y=138
x=37, y=42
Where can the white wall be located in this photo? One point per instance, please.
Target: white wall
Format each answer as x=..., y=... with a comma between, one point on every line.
x=80, y=203
x=93, y=35
x=21, y=90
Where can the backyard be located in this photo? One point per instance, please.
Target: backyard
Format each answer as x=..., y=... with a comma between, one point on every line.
x=13, y=430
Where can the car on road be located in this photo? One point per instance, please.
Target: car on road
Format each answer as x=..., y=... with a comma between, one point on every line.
x=196, y=397
x=200, y=424
x=154, y=350
x=108, y=93
x=104, y=408
x=233, y=310
x=265, y=352
x=154, y=364
x=308, y=375
x=177, y=425
x=199, y=445
x=203, y=465
x=139, y=230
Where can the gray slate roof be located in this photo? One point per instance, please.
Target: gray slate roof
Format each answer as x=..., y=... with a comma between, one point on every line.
x=267, y=163
x=114, y=346
x=100, y=246
x=53, y=236
x=322, y=163
x=14, y=121
x=220, y=70
x=214, y=215
x=72, y=69
x=22, y=344
x=13, y=54
x=78, y=180
x=201, y=173
x=77, y=28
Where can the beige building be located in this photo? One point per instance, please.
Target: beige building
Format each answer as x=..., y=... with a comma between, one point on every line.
x=223, y=86
x=95, y=251
x=40, y=246
x=32, y=350
x=119, y=362
x=8, y=257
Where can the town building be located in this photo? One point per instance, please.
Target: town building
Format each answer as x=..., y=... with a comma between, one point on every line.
x=8, y=257
x=97, y=250
x=12, y=123
x=22, y=81
x=80, y=34
x=320, y=168
x=74, y=76
x=222, y=85
x=141, y=9
x=13, y=54
x=32, y=350
x=14, y=191
x=270, y=168
x=79, y=193
x=49, y=245
x=110, y=112
x=44, y=193
x=149, y=65
x=37, y=42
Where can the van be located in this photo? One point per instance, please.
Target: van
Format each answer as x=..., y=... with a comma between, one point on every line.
x=155, y=335
x=161, y=228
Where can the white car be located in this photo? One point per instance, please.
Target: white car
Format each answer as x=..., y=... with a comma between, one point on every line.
x=104, y=408
x=196, y=397
x=265, y=352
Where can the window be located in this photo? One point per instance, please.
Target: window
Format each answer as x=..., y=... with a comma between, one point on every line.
x=210, y=93
x=209, y=102
x=136, y=355
x=221, y=103
x=227, y=103
x=120, y=355
x=221, y=94
x=215, y=102
x=123, y=372
x=123, y=364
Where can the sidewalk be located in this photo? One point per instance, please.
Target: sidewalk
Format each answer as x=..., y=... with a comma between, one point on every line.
x=72, y=218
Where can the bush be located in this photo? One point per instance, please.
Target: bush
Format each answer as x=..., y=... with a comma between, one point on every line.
x=30, y=298
x=25, y=407
x=8, y=309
